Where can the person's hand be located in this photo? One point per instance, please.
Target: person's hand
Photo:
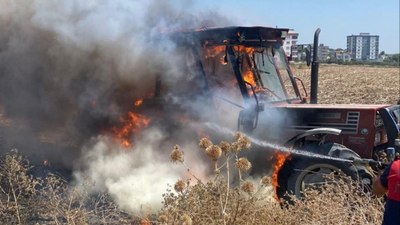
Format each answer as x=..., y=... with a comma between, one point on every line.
x=377, y=188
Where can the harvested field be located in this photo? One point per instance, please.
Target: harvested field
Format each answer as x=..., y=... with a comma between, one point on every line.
x=341, y=84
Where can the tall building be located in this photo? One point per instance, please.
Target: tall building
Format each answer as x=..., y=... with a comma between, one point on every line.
x=363, y=46
x=290, y=44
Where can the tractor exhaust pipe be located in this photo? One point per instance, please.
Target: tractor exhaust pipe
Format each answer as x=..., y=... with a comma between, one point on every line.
x=314, y=70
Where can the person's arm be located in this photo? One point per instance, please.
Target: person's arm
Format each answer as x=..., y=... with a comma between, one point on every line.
x=377, y=188
x=380, y=184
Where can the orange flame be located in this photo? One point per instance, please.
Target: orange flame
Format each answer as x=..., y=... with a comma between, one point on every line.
x=281, y=158
x=249, y=77
x=214, y=51
x=247, y=50
x=131, y=125
x=138, y=102
x=217, y=51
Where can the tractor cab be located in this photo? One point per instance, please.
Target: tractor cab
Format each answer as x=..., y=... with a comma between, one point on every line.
x=244, y=67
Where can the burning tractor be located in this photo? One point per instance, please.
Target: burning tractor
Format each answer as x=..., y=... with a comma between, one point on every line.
x=244, y=74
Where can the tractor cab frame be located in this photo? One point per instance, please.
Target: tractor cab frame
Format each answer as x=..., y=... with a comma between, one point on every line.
x=250, y=59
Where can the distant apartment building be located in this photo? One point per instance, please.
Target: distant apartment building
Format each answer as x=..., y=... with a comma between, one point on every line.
x=363, y=46
x=323, y=52
x=290, y=44
x=342, y=55
x=301, y=51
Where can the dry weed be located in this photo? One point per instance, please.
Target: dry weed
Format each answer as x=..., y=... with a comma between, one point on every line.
x=341, y=202
x=230, y=197
x=220, y=201
x=25, y=199
x=18, y=190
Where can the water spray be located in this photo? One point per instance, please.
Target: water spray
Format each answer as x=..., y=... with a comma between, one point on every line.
x=281, y=148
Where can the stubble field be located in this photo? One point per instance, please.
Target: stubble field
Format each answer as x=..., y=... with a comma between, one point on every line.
x=340, y=84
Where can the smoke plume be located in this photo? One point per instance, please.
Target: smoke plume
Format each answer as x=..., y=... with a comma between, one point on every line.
x=69, y=69
x=137, y=177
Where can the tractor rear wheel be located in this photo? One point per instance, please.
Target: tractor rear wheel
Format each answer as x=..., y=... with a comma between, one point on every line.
x=308, y=172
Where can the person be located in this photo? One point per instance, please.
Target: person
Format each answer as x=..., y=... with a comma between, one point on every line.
x=389, y=183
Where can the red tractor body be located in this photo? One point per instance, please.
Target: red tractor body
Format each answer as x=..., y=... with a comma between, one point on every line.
x=362, y=130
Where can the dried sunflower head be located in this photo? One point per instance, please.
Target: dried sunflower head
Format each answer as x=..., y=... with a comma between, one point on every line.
x=241, y=142
x=248, y=187
x=244, y=142
x=266, y=180
x=205, y=143
x=225, y=147
x=243, y=164
x=179, y=186
x=177, y=154
x=238, y=135
x=214, y=152
x=235, y=147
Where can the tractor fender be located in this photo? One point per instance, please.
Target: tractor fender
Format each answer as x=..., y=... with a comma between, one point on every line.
x=314, y=131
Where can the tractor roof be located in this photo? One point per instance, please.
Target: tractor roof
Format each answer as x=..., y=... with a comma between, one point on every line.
x=232, y=35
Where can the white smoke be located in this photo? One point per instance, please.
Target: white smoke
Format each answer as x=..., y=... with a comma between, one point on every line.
x=134, y=177
x=72, y=67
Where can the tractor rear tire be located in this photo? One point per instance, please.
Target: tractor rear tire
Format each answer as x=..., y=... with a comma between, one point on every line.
x=309, y=172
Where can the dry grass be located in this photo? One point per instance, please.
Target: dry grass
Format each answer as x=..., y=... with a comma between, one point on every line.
x=29, y=200
x=340, y=84
x=247, y=201
x=230, y=197
x=221, y=200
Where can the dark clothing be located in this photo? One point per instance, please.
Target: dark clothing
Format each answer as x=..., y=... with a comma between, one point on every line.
x=390, y=179
x=392, y=212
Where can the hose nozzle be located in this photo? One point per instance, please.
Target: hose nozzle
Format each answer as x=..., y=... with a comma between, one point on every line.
x=370, y=162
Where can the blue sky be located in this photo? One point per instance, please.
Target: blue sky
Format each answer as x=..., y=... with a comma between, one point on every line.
x=336, y=18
